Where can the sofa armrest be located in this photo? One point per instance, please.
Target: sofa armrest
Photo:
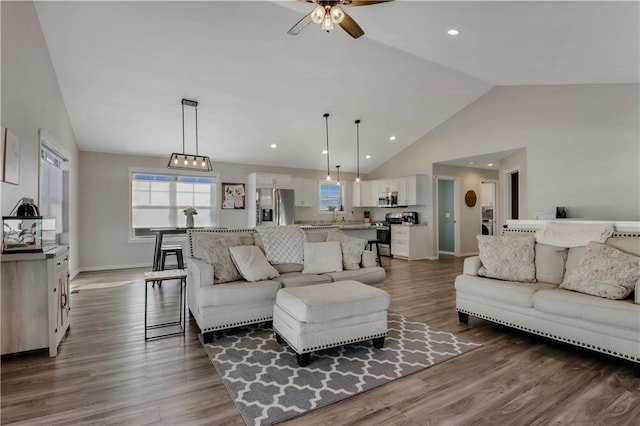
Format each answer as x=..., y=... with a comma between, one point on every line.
x=368, y=259
x=471, y=265
x=199, y=272
x=636, y=293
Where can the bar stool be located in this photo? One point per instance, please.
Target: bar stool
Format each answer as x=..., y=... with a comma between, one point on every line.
x=170, y=250
x=370, y=244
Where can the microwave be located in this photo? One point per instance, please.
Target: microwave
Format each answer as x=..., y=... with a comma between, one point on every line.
x=388, y=199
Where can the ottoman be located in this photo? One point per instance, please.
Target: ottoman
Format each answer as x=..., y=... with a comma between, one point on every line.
x=326, y=315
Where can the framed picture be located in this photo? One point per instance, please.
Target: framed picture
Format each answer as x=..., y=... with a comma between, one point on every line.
x=10, y=157
x=233, y=196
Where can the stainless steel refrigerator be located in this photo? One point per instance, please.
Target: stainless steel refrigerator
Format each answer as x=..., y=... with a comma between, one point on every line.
x=274, y=206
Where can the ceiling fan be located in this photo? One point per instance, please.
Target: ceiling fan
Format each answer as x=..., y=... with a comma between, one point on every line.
x=329, y=12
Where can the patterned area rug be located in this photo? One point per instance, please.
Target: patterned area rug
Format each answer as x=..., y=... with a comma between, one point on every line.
x=267, y=385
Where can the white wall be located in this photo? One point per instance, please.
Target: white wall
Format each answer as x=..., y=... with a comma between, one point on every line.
x=31, y=100
x=104, y=196
x=582, y=146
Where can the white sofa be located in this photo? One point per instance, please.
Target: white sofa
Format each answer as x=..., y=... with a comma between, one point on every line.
x=232, y=304
x=608, y=326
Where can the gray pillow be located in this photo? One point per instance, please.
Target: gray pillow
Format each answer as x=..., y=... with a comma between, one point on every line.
x=605, y=272
x=252, y=263
x=509, y=257
x=216, y=252
x=352, y=249
x=550, y=262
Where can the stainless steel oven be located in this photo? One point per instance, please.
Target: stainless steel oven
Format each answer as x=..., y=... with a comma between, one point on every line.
x=383, y=235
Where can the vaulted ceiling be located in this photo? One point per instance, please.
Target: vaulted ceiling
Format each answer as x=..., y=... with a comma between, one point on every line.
x=123, y=68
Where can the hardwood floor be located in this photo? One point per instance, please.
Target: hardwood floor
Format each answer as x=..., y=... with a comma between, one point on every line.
x=106, y=374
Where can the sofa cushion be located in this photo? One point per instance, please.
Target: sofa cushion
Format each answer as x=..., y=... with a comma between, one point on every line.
x=238, y=293
x=252, y=263
x=352, y=249
x=509, y=257
x=322, y=257
x=550, y=262
x=562, y=234
x=327, y=302
x=298, y=279
x=216, y=253
x=617, y=313
x=372, y=275
x=629, y=245
x=282, y=244
x=197, y=237
x=509, y=292
x=604, y=272
x=283, y=268
x=574, y=256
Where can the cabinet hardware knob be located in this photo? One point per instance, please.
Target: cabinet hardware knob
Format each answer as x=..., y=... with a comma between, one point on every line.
x=59, y=263
x=56, y=330
x=55, y=289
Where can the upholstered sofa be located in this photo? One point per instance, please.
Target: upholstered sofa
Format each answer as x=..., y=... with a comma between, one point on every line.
x=546, y=309
x=217, y=306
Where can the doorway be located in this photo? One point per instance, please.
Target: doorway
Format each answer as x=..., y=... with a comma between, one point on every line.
x=488, y=205
x=447, y=213
x=512, y=194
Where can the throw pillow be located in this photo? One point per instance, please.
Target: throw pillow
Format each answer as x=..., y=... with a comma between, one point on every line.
x=320, y=258
x=550, y=262
x=509, y=257
x=605, y=272
x=252, y=263
x=216, y=252
x=282, y=244
x=352, y=249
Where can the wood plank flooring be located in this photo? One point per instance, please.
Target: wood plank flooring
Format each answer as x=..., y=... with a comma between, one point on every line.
x=106, y=374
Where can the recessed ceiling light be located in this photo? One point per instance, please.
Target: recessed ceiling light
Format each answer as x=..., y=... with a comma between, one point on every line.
x=367, y=157
x=472, y=162
x=490, y=164
x=453, y=31
x=392, y=138
x=273, y=145
x=325, y=152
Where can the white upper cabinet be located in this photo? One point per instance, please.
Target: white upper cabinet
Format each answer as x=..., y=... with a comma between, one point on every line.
x=364, y=194
x=412, y=191
x=270, y=180
x=306, y=192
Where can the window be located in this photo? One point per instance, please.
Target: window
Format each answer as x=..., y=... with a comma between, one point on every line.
x=159, y=201
x=330, y=195
x=52, y=169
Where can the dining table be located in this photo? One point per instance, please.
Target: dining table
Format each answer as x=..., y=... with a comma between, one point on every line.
x=157, y=249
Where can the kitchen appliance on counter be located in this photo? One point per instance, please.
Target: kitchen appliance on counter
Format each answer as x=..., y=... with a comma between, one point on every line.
x=274, y=206
x=410, y=218
x=388, y=199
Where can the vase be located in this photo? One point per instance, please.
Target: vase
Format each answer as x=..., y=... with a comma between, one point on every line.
x=190, y=221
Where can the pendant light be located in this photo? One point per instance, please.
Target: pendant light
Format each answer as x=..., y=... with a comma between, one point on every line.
x=338, y=169
x=200, y=163
x=326, y=120
x=358, y=150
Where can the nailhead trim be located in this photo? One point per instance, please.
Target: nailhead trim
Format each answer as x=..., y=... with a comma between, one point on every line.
x=553, y=336
x=333, y=345
x=237, y=324
x=531, y=231
x=190, y=233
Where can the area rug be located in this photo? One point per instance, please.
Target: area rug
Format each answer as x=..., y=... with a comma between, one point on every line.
x=267, y=386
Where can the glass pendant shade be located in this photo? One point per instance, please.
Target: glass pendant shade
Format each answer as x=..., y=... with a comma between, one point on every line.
x=318, y=14
x=327, y=23
x=337, y=15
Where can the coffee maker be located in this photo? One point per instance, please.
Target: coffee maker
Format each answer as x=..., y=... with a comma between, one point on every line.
x=410, y=218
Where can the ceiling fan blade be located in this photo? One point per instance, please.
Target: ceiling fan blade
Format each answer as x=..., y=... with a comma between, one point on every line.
x=295, y=30
x=351, y=27
x=366, y=3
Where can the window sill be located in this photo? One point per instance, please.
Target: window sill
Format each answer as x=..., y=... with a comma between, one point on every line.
x=152, y=240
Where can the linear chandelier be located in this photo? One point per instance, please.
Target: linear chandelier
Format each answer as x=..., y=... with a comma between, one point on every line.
x=183, y=161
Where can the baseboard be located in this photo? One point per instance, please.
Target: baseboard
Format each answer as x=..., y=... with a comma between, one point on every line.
x=111, y=267
x=448, y=253
x=471, y=253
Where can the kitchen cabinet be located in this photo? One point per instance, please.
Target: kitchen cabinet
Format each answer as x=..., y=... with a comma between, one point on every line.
x=413, y=190
x=306, y=192
x=271, y=180
x=363, y=194
x=409, y=242
x=35, y=300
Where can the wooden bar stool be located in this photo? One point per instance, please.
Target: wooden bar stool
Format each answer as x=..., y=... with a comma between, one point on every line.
x=170, y=250
x=370, y=244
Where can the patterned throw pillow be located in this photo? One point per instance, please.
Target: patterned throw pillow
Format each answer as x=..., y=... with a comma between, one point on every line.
x=282, y=244
x=509, y=257
x=352, y=249
x=216, y=252
x=605, y=272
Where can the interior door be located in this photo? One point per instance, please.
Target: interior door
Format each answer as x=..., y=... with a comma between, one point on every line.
x=446, y=216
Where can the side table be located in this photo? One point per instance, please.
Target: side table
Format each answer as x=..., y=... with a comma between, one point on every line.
x=159, y=276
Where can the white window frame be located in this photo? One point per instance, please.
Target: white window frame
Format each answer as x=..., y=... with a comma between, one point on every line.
x=215, y=198
x=320, y=183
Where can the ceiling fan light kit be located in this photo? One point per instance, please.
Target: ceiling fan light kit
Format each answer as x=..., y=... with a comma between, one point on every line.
x=328, y=12
x=184, y=161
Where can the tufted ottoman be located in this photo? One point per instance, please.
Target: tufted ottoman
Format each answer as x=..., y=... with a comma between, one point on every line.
x=326, y=315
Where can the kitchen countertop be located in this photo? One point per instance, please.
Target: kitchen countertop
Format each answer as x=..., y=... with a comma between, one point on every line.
x=354, y=226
